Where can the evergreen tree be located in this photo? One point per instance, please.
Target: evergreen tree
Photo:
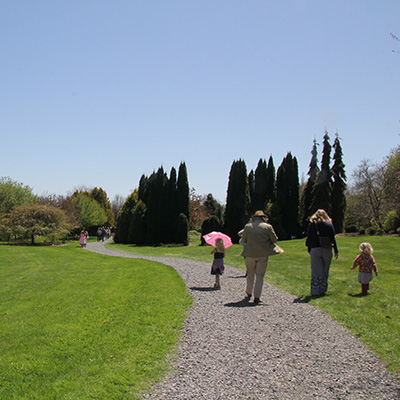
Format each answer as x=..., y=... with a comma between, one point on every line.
x=213, y=207
x=157, y=208
x=182, y=191
x=143, y=193
x=322, y=189
x=237, y=200
x=306, y=195
x=124, y=219
x=259, y=195
x=210, y=224
x=271, y=189
x=287, y=198
x=183, y=229
x=137, y=227
x=251, y=185
x=338, y=199
x=173, y=214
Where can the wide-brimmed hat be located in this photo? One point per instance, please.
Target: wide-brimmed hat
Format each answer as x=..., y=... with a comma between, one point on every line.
x=259, y=214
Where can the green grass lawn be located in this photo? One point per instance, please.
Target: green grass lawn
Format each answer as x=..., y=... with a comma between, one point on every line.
x=78, y=325
x=375, y=318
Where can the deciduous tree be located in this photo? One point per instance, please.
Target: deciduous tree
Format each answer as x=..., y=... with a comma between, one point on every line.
x=29, y=222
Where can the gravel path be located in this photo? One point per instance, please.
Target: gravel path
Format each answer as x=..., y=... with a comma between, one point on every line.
x=279, y=349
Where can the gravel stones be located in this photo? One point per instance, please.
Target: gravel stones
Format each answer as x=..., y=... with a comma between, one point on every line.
x=279, y=349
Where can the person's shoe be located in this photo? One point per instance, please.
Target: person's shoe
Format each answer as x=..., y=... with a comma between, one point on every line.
x=257, y=300
x=217, y=286
x=248, y=296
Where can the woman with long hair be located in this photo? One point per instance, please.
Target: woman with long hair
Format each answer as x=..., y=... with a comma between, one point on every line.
x=320, y=242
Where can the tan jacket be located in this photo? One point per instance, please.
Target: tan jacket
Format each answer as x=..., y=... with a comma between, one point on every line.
x=259, y=238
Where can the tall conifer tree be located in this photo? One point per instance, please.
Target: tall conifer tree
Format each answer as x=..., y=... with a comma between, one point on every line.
x=156, y=208
x=237, y=200
x=182, y=193
x=306, y=195
x=173, y=214
x=322, y=190
x=287, y=198
x=271, y=189
x=124, y=219
x=338, y=188
x=259, y=195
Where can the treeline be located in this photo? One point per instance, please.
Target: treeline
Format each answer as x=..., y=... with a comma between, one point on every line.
x=26, y=216
x=279, y=194
x=158, y=211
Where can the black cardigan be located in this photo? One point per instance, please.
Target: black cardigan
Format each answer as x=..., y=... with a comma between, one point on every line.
x=325, y=229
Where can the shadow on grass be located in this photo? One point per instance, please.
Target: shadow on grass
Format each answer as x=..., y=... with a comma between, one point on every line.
x=307, y=299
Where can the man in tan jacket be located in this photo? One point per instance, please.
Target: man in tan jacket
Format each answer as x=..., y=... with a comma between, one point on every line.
x=258, y=239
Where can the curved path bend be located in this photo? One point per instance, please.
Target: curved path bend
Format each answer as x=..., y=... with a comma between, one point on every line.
x=279, y=349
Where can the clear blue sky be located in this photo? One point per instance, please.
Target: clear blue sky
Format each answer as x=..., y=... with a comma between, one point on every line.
x=97, y=93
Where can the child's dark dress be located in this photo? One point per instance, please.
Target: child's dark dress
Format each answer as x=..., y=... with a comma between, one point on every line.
x=218, y=266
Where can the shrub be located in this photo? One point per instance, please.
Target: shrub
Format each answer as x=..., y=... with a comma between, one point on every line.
x=392, y=222
x=351, y=229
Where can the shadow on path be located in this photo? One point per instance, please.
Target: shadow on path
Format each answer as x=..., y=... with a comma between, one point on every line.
x=243, y=303
x=203, y=289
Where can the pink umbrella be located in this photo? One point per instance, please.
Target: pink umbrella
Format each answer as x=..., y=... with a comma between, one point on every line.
x=211, y=237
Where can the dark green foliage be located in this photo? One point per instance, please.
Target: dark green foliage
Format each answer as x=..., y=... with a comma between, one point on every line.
x=338, y=198
x=182, y=191
x=237, y=200
x=306, y=199
x=143, y=191
x=287, y=198
x=183, y=230
x=210, y=224
x=322, y=190
x=124, y=219
x=157, y=212
x=173, y=214
x=137, y=227
x=251, y=185
x=259, y=194
x=271, y=189
x=213, y=207
x=155, y=218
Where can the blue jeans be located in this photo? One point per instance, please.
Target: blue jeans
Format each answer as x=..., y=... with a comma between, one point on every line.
x=320, y=263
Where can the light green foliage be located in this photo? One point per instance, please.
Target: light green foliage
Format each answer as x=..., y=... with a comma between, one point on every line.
x=91, y=212
x=14, y=194
x=28, y=222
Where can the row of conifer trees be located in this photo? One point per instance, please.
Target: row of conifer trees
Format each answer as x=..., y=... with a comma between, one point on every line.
x=158, y=211
x=280, y=196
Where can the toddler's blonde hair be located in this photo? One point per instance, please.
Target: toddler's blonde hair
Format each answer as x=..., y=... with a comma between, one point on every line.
x=366, y=248
x=220, y=245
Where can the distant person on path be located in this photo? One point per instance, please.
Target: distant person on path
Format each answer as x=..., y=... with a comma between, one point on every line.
x=218, y=267
x=83, y=239
x=365, y=262
x=320, y=241
x=98, y=233
x=258, y=239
